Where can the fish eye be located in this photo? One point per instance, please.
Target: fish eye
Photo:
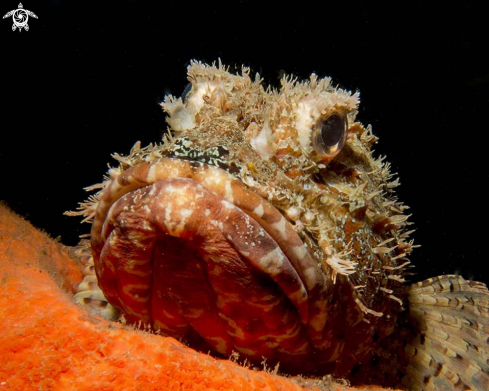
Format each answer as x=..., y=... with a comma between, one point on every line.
x=186, y=91
x=330, y=136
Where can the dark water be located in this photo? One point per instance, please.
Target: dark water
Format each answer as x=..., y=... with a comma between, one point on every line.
x=85, y=81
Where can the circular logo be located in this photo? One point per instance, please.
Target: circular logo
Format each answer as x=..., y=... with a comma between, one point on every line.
x=20, y=17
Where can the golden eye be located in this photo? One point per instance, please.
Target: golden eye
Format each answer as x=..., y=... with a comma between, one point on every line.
x=330, y=136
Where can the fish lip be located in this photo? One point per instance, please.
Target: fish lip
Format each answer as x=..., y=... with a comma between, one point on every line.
x=99, y=238
x=130, y=235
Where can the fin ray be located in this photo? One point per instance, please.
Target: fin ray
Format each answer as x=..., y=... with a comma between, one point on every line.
x=452, y=348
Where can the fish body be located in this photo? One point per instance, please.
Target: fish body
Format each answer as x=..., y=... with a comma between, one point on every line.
x=263, y=225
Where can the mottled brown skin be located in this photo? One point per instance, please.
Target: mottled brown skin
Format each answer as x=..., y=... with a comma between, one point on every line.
x=264, y=226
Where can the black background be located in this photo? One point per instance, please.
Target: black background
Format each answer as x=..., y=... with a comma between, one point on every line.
x=86, y=79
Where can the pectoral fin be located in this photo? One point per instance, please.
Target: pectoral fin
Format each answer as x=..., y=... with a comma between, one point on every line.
x=451, y=351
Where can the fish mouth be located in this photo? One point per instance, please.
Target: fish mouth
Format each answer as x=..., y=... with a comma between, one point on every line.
x=190, y=251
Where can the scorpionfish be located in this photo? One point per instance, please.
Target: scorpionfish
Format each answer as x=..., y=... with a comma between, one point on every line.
x=263, y=225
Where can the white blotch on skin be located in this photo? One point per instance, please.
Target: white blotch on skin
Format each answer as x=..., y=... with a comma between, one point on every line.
x=229, y=192
x=273, y=261
x=151, y=177
x=280, y=226
x=184, y=214
x=293, y=213
x=259, y=210
x=310, y=275
x=227, y=204
x=304, y=123
x=300, y=251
